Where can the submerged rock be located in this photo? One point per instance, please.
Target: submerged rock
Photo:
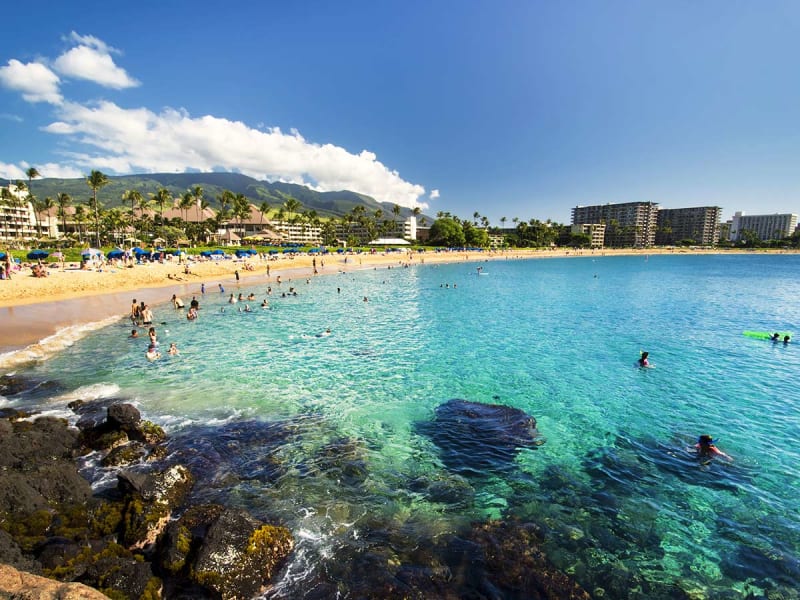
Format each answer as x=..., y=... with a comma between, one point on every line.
x=474, y=438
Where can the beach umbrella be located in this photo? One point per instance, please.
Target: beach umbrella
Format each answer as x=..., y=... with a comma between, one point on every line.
x=116, y=253
x=273, y=252
x=38, y=254
x=217, y=252
x=206, y=253
x=2, y=255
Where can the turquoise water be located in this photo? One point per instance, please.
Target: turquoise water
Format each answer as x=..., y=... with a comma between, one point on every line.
x=342, y=455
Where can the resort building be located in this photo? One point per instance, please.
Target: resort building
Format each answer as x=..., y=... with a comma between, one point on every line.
x=595, y=231
x=630, y=224
x=17, y=218
x=699, y=224
x=764, y=227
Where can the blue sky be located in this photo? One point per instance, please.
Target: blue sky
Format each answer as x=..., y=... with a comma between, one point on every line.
x=509, y=108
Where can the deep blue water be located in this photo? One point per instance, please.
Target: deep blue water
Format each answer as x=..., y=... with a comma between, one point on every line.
x=323, y=433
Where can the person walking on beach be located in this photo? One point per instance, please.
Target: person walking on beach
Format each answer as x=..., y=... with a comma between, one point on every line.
x=236, y=272
x=202, y=288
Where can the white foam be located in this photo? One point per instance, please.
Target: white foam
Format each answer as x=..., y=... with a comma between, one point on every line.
x=47, y=347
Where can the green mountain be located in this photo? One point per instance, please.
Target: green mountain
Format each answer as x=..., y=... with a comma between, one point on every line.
x=327, y=204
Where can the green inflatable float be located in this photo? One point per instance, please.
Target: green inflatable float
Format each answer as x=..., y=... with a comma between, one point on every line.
x=766, y=335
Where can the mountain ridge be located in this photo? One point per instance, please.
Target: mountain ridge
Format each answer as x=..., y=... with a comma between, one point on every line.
x=326, y=204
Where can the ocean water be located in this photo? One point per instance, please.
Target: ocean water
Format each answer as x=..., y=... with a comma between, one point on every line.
x=330, y=434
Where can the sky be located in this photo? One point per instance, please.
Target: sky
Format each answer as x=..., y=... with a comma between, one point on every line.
x=517, y=109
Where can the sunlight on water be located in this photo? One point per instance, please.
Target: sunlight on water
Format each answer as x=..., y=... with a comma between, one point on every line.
x=558, y=338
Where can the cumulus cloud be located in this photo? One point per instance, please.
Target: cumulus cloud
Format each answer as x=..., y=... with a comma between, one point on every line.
x=18, y=172
x=135, y=140
x=91, y=60
x=434, y=194
x=34, y=80
x=120, y=140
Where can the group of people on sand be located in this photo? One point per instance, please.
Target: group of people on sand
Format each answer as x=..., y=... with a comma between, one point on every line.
x=705, y=448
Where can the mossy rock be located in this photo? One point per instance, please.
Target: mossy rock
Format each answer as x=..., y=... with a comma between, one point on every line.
x=152, y=433
x=240, y=554
x=125, y=455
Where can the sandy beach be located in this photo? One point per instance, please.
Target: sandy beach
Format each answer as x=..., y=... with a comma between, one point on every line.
x=33, y=308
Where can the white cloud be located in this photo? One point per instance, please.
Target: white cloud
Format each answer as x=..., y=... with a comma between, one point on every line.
x=10, y=117
x=15, y=172
x=91, y=60
x=434, y=194
x=137, y=140
x=36, y=82
x=121, y=140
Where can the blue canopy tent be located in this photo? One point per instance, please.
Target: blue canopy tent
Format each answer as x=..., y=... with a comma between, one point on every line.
x=38, y=254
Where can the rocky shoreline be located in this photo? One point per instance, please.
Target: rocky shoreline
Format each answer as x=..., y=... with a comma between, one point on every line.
x=143, y=539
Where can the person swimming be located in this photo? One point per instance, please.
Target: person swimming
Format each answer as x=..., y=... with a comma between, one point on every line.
x=706, y=448
x=643, y=361
x=775, y=337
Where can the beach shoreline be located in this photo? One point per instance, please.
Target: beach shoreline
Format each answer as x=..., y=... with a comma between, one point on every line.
x=32, y=309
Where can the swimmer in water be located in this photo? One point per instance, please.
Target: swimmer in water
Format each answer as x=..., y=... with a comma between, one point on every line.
x=706, y=448
x=643, y=362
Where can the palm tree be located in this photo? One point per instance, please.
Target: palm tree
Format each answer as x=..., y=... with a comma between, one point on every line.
x=32, y=174
x=291, y=206
x=241, y=210
x=162, y=197
x=80, y=219
x=187, y=201
x=396, y=213
x=45, y=205
x=503, y=222
x=96, y=180
x=197, y=194
x=135, y=198
x=263, y=209
x=64, y=200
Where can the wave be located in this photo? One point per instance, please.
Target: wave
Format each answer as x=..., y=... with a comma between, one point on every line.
x=47, y=347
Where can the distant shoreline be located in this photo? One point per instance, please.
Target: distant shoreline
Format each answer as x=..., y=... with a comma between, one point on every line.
x=35, y=308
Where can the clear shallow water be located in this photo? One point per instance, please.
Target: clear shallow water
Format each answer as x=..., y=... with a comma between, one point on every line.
x=342, y=455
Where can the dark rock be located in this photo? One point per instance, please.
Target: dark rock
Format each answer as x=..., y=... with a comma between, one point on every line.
x=148, y=509
x=132, y=578
x=125, y=455
x=11, y=554
x=55, y=552
x=38, y=470
x=123, y=415
x=239, y=554
x=475, y=438
x=36, y=442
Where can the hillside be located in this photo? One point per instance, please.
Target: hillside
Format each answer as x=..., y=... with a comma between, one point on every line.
x=326, y=204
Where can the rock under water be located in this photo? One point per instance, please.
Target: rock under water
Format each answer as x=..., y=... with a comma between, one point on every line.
x=475, y=438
